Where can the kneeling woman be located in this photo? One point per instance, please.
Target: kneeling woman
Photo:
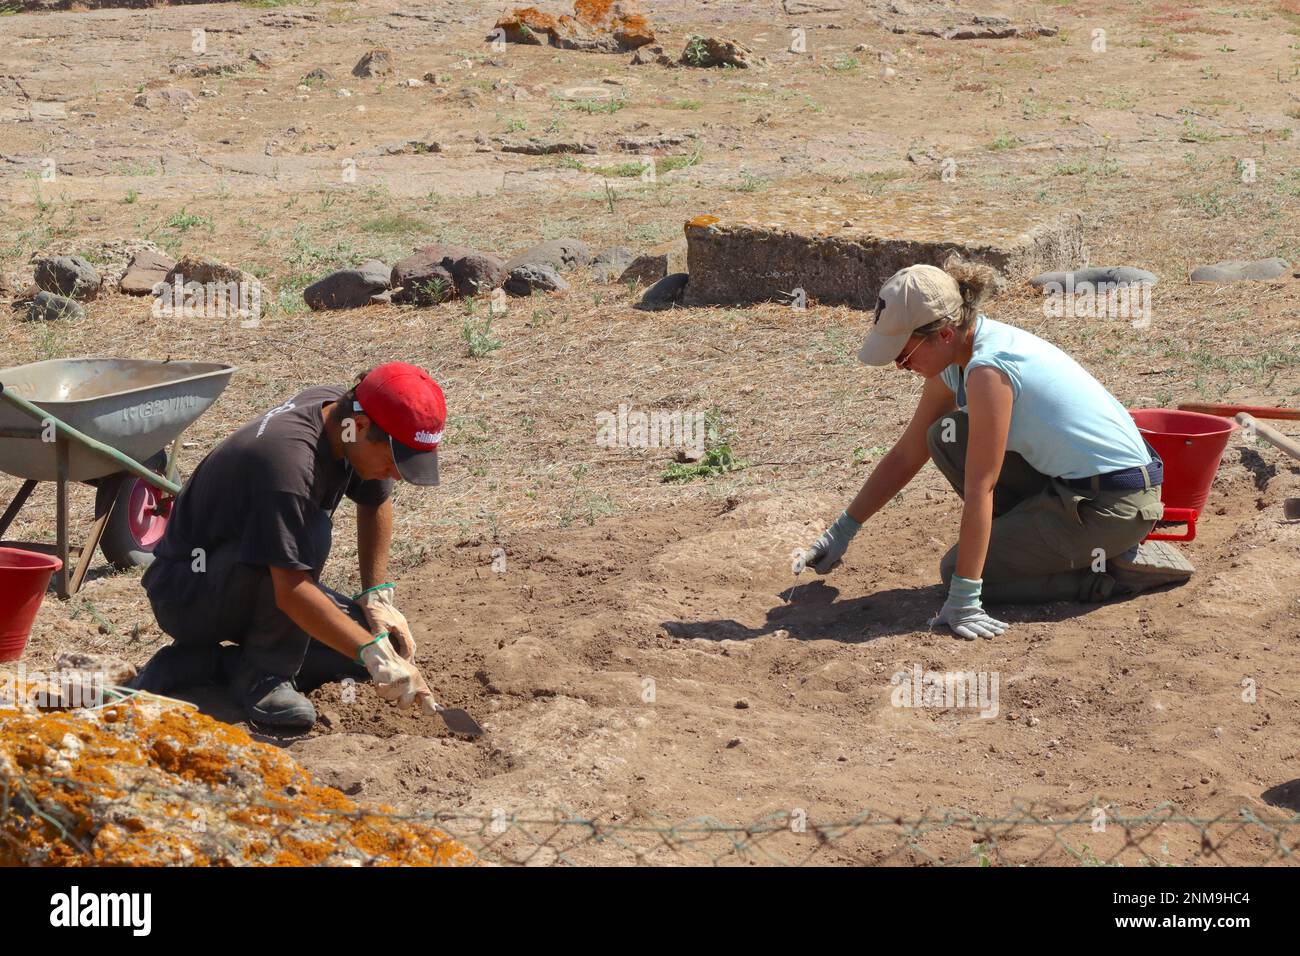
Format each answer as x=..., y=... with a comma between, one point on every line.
x=1059, y=486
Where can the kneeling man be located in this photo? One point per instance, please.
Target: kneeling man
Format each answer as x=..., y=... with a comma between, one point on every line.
x=249, y=535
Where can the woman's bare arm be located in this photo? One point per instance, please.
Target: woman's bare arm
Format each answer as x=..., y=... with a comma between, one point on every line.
x=989, y=399
x=909, y=454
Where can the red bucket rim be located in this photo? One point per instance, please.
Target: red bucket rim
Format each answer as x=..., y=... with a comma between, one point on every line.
x=33, y=560
x=1223, y=426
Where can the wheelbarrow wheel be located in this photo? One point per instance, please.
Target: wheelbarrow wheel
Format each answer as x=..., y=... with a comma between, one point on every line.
x=135, y=527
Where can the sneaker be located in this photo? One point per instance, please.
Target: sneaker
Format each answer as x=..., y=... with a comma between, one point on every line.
x=1151, y=564
x=177, y=666
x=272, y=700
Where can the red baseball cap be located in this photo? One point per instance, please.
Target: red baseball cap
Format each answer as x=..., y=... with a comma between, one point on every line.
x=405, y=402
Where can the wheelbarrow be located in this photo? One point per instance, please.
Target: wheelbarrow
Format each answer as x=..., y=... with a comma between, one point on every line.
x=111, y=423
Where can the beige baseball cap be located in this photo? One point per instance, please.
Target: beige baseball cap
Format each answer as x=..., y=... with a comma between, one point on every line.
x=913, y=297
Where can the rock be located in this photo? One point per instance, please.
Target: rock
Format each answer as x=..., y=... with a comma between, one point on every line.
x=47, y=306
x=540, y=146
x=418, y=146
x=207, y=66
x=70, y=276
x=718, y=51
x=478, y=273
x=161, y=99
x=733, y=743
x=110, y=670
x=598, y=26
x=261, y=58
x=646, y=269
x=665, y=293
x=528, y=25
x=376, y=272
x=562, y=255
x=439, y=272
x=318, y=75
x=1239, y=270
x=201, y=269
x=796, y=7
x=210, y=288
x=531, y=277
x=1095, y=275
x=146, y=269
x=347, y=288
x=980, y=32
x=178, y=781
x=742, y=704
x=422, y=281
x=645, y=144
x=609, y=264
x=652, y=54
x=377, y=62
x=111, y=256
x=761, y=252
x=24, y=299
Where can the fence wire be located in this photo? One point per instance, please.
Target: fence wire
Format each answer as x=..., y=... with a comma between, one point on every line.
x=214, y=829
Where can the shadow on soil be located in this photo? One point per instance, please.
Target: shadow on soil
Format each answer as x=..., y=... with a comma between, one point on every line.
x=810, y=612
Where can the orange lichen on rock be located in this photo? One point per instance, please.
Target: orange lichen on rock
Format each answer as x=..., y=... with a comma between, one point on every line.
x=702, y=221
x=148, y=782
x=607, y=26
x=524, y=25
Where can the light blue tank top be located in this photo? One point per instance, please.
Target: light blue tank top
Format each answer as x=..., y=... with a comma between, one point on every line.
x=1063, y=422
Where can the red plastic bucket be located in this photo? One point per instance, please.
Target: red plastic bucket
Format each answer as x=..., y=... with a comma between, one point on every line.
x=24, y=576
x=1191, y=446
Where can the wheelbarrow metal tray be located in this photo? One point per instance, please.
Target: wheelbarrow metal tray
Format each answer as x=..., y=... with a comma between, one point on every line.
x=135, y=405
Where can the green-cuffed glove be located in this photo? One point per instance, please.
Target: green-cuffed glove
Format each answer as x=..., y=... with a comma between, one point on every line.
x=963, y=612
x=383, y=615
x=828, y=550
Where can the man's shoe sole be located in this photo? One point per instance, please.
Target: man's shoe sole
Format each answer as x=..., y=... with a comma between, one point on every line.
x=1156, y=564
x=298, y=719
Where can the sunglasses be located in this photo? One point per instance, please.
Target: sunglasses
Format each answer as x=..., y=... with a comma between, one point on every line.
x=902, y=359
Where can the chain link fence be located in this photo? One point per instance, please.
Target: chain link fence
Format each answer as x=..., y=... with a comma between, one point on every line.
x=210, y=828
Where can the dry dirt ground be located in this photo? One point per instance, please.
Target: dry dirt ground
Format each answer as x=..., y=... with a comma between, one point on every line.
x=608, y=654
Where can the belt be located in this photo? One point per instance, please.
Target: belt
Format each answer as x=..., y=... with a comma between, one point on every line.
x=1143, y=476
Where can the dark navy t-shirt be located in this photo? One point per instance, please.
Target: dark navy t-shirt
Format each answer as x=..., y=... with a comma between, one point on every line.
x=261, y=492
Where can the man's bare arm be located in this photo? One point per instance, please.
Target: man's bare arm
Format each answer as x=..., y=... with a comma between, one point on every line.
x=374, y=538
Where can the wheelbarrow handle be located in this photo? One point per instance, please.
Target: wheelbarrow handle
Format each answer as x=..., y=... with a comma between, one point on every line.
x=67, y=431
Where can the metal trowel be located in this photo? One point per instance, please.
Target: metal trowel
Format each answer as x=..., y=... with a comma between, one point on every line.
x=459, y=721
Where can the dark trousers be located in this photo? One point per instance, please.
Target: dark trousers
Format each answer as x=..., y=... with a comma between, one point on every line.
x=1047, y=538
x=236, y=602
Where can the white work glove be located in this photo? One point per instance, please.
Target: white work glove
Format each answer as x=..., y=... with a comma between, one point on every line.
x=828, y=550
x=396, y=679
x=963, y=612
x=383, y=615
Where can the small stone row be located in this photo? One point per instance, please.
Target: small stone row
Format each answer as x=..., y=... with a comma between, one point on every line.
x=1232, y=270
x=443, y=271
x=62, y=283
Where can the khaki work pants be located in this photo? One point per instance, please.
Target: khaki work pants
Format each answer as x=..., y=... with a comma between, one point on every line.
x=1045, y=536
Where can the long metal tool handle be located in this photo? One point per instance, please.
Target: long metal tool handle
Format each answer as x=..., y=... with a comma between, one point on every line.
x=1270, y=435
x=127, y=463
